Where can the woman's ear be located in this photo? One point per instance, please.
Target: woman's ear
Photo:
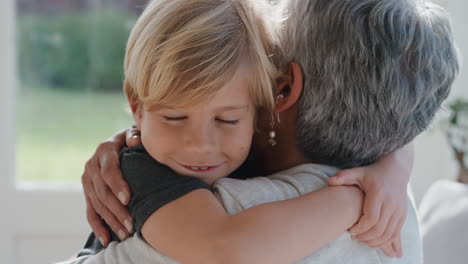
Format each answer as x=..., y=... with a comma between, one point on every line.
x=136, y=109
x=289, y=91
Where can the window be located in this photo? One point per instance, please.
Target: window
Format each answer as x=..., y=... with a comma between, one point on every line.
x=70, y=70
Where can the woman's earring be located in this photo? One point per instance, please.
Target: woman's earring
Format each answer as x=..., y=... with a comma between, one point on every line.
x=279, y=97
x=272, y=141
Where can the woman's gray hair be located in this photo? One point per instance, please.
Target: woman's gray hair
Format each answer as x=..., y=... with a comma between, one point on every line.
x=375, y=73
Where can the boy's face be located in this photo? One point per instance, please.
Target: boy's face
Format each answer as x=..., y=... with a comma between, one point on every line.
x=207, y=141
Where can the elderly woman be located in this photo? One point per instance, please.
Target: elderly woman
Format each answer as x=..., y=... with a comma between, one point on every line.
x=365, y=78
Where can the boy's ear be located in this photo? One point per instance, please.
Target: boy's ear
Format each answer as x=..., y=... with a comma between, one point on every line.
x=136, y=109
x=289, y=90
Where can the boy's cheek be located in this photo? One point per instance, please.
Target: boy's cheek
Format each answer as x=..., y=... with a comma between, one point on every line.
x=239, y=148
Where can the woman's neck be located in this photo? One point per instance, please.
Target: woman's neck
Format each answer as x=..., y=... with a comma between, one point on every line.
x=286, y=153
x=270, y=159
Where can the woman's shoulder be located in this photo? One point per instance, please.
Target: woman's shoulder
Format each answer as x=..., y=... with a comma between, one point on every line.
x=306, y=177
x=311, y=169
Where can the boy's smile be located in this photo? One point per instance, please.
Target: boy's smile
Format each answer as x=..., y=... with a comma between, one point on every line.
x=201, y=168
x=202, y=171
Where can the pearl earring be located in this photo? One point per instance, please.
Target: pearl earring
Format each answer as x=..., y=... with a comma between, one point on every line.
x=272, y=141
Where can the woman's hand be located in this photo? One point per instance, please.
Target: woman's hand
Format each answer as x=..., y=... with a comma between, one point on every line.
x=385, y=206
x=105, y=190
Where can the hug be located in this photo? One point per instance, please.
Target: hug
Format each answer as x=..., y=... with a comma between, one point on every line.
x=244, y=111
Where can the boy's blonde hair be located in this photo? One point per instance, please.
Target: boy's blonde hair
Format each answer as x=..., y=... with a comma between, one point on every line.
x=181, y=52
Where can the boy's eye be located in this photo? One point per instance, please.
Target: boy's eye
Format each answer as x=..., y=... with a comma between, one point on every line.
x=174, y=118
x=229, y=122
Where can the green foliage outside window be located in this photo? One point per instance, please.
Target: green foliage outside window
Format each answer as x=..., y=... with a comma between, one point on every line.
x=74, y=51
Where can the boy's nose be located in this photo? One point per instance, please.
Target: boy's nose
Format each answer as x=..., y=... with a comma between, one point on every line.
x=200, y=140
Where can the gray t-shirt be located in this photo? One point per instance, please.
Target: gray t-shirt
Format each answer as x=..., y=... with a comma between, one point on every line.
x=237, y=195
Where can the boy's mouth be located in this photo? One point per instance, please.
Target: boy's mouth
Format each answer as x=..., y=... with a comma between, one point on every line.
x=200, y=168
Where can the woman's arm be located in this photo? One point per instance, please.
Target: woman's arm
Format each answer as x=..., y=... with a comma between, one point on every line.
x=196, y=229
x=106, y=192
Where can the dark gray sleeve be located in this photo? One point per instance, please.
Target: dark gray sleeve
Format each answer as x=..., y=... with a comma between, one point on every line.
x=152, y=184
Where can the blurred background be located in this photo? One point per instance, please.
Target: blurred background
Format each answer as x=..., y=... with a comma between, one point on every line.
x=70, y=70
x=61, y=72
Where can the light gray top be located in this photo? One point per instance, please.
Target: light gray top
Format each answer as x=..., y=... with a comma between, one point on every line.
x=238, y=195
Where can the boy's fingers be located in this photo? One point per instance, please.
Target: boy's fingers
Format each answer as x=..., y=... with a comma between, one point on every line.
x=387, y=237
x=96, y=224
x=132, y=137
x=388, y=250
x=393, y=228
x=376, y=232
x=371, y=215
x=397, y=239
x=397, y=246
x=346, y=177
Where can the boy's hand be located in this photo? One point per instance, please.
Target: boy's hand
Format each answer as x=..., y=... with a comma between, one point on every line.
x=105, y=190
x=392, y=248
x=386, y=203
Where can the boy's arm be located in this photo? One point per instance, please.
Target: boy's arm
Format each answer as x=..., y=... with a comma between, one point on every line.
x=191, y=226
x=385, y=207
x=196, y=229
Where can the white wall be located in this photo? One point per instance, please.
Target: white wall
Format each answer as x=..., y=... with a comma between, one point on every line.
x=7, y=122
x=434, y=159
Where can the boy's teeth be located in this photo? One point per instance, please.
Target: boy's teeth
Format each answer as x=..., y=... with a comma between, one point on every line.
x=199, y=168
